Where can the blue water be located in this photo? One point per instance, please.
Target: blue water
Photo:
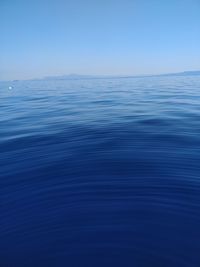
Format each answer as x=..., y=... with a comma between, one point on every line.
x=102, y=172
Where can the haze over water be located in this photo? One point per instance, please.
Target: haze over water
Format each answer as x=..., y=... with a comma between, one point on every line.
x=101, y=172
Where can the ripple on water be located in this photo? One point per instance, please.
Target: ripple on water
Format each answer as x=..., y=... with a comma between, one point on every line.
x=100, y=173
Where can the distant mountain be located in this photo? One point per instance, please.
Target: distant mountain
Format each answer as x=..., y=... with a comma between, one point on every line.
x=75, y=77
x=80, y=77
x=184, y=73
x=83, y=77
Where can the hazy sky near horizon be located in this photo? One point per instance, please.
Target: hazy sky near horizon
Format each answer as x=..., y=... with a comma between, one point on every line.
x=129, y=37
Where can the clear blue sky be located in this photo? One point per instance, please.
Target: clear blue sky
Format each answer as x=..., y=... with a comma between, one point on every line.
x=56, y=37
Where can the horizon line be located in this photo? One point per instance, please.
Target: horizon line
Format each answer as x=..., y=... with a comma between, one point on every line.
x=98, y=76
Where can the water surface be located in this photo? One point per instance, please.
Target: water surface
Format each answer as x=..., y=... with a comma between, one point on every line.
x=102, y=172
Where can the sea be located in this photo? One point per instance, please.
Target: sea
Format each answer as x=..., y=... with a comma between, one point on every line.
x=100, y=172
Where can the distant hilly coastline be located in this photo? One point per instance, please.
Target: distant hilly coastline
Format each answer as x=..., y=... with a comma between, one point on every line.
x=84, y=77
x=75, y=76
x=78, y=77
x=184, y=73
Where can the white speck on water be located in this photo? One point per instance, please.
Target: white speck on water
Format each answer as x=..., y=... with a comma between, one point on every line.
x=10, y=87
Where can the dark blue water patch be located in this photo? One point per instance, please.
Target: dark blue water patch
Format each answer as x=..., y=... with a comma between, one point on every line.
x=100, y=173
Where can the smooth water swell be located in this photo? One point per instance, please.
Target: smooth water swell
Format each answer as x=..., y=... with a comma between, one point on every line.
x=100, y=172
